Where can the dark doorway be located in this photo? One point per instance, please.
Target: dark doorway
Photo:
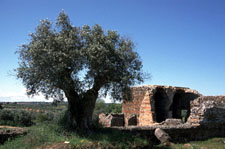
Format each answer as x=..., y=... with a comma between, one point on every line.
x=176, y=107
x=161, y=105
x=181, y=104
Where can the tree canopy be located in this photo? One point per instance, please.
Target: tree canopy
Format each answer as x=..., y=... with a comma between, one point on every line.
x=78, y=62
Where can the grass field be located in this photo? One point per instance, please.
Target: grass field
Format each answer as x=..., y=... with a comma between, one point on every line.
x=47, y=134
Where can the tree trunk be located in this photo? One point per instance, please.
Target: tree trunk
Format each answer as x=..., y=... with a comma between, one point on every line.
x=81, y=109
x=81, y=106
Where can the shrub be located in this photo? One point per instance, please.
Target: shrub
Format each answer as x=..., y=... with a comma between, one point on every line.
x=42, y=117
x=6, y=117
x=15, y=118
x=1, y=107
x=23, y=118
x=100, y=107
x=63, y=120
x=62, y=117
x=114, y=108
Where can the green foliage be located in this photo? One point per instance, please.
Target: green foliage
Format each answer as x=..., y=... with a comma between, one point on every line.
x=6, y=115
x=56, y=113
x=78, y=62
x=1, y=106
x=63, y=57
x=23, y=118
x=48, y=107
x=102, y=107
x=62, y=119
x=183, y=115
x=44, y=116
x=114, y=108
x=37, y=136
x=15, y=118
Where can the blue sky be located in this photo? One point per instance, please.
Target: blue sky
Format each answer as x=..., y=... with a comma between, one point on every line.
x=181, y=42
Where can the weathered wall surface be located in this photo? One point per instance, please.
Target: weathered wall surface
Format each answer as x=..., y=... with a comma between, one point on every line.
x=111, y=120
x=178, y=133
x=154, y=103
x=131, y=108
x=206, y=113
x=146, y=113
x=208, y=110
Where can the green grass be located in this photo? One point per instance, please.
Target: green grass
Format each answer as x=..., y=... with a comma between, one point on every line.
x=49, y=133
x=45, y=134
x=213, y=143
x=36, y=136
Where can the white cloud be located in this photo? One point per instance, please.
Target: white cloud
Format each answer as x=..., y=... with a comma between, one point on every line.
x=19, y=96
x=23, y=99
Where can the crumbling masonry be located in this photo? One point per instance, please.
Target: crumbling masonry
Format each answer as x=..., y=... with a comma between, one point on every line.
x=181, y=112
x=154, y=104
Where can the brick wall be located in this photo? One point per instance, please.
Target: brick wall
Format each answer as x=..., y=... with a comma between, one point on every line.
x=130, y=108
x=146, y=113
x=143, y=103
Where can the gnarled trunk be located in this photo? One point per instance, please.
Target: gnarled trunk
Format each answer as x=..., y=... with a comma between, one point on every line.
x=81, y=108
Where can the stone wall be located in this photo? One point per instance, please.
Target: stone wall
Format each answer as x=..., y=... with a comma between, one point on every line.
x=155, y=103
x=208, y=110
x=178, y=133
x=111, y=120
x=132, y=107
x=206, y=114
x=146, y=113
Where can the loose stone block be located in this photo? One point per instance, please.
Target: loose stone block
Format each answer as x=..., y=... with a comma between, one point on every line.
x=162, y=136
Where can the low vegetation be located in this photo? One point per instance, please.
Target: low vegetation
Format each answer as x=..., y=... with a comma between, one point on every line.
x=15, y=118
x=16, y=114
x=214, y=143
x=48, y=129
x=47, y=134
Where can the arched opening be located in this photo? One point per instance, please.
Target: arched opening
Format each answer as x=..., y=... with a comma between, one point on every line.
x=162, y=104
x=181, y=105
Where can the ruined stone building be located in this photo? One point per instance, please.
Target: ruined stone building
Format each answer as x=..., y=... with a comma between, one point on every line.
x=154, y=104
x=155, y=107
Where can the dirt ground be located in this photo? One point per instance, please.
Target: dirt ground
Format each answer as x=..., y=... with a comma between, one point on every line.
x=8, y=127
x=12, y=130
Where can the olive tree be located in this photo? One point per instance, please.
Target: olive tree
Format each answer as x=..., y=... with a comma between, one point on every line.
x=79, y=63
